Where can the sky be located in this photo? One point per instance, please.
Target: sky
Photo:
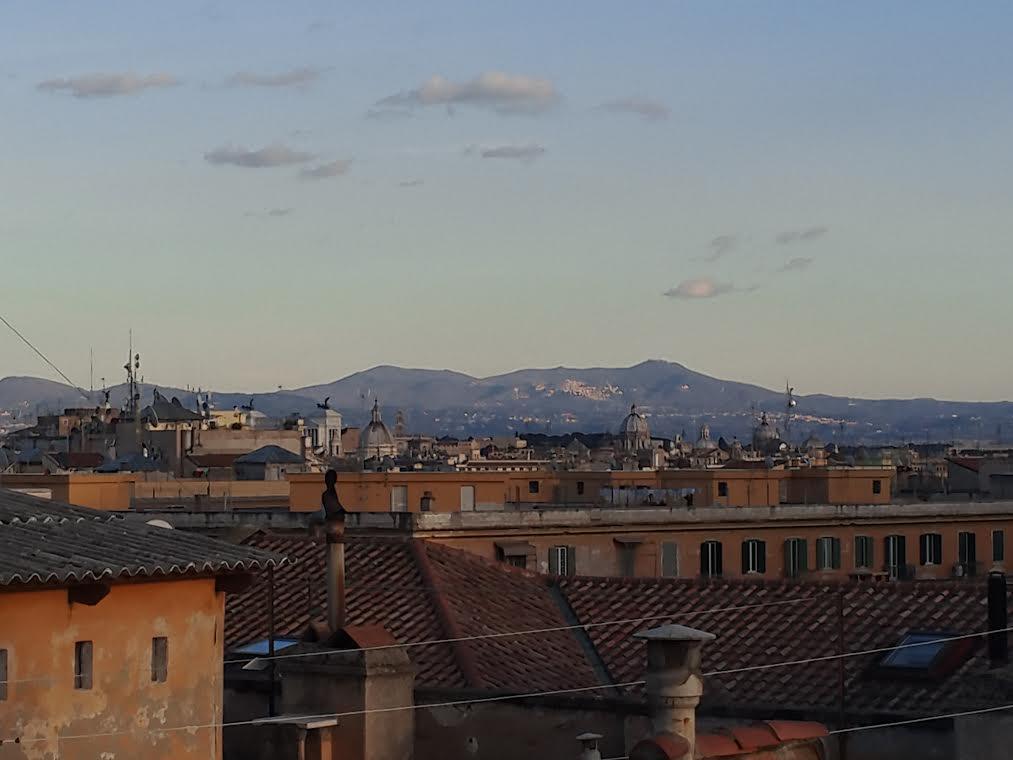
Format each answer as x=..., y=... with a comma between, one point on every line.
x=279, y=194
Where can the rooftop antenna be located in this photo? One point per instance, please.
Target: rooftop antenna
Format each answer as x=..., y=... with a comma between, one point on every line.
x=91, y=372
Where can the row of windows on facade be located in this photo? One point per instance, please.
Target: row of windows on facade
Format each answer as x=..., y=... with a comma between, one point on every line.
x=562, y=559
x=84, y=663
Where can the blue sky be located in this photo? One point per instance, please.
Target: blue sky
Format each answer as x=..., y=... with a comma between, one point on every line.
x=283, y=193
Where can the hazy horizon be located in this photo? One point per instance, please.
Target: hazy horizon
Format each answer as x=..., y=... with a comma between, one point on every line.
x=285, y=194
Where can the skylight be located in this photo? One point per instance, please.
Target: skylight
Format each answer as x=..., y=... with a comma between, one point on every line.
x=916, y=657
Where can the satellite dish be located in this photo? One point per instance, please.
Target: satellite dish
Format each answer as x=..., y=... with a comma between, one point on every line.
x=159, y=524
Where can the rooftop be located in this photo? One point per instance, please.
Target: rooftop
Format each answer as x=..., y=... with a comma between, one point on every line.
x=45, y=542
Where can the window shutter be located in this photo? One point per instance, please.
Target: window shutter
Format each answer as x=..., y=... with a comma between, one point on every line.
x=669, y=559
x=789, y=568
x=901, y=552
x=745, y=557
x=761, y=556
x=571, y=560
x=554, y=560
x=923, y=548
x=870, y=548
x=718, y=567
x=835, y=555
x=998, y=546
x=803, y=547
x=937, y=547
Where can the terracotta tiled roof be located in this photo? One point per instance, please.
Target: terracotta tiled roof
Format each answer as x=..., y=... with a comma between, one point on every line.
x=422, y=591
x=968, y=463
x=213, y=460
x=875, y=615
x=45, y=542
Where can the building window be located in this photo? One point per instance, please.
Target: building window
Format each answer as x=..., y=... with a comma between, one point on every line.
x=722, y=488
x=669, y=559
x=562, y=560
x=796, y=557
x=710, y=559
x=967, y=552
x=828, y=553
x=877, y=486
x=467, y=498
x=896, y=556
x=930, y=549
x=3, y=674
x=864, y=552
x=159, y=659
x=998, y=546
x=627, y=560
x=533, y=486
x=580, y=488
x=517, y=560
x=399, y=499
x=754, y=556
x=82, y=664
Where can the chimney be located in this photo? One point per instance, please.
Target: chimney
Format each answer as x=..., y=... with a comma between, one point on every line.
x=998, y=644
x=589, y=746
x=335, y=533
x=674, y=680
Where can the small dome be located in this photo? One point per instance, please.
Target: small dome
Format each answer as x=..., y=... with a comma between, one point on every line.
x=635, y=423
x=375, y=438
x=813, y=443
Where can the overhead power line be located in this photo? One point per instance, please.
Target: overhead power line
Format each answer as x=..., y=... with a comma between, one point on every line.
x=42, y=356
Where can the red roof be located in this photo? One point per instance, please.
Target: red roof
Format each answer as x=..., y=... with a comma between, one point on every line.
x=78, y=460
x=968, y=463
x=213, y=460
x=421, y=591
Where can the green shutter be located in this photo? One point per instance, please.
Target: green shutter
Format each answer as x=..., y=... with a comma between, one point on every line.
x=761, y=553
x=835, y=553
x=553, y=560
x=669, y=559
x=745, y=557
x=571, y=560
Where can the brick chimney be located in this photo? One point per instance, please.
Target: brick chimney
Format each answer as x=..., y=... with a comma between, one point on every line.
x=674, y=681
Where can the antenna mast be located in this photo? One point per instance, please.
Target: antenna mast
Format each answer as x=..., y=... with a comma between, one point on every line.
x=789, y=404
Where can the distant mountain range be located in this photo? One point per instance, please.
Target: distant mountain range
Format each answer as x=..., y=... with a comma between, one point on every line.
x=563, y=400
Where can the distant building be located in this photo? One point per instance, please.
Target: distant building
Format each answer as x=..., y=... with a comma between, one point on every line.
x=636, y=435
x=375, y=440
x=268, y=463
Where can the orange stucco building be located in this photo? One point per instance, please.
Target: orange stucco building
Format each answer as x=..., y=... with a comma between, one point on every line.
x=111, y=634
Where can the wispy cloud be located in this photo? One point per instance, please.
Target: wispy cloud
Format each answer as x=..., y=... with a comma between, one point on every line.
x=271, y=213
x=720, y=246
x=647, y=109
x=389, y=114
x=411, y=183
x=267, y=157
x=495, y=90
x=800, y=236
x=330, y=169
x=107, y=85
x=293, y=78
x=525, y=152
x=702, y=287
x=797, y=264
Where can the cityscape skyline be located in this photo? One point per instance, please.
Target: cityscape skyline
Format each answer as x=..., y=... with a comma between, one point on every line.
x=749, y=194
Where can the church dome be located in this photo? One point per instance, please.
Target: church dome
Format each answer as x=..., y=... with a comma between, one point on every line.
x=375, y=439
x=764, y=433
x=635, y=432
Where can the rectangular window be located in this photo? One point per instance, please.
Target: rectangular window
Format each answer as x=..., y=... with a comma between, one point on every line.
x=532, y=486
x=863, y=552
x=580, y=488
x=754, y=556
x=159, y=659
x=82, y=664
x=930, y=549
x=669, y=559
x=968, y=555
x=399, y=499
x=896, y=556
x=828, y=553
x=710, y=559
x=796, y=557
x=562, y=560
x=998, y=546
x=467, y=498
x=877, y=486
x=517, y=560
x=3, y=674
x=627, y=561
x=722, y=488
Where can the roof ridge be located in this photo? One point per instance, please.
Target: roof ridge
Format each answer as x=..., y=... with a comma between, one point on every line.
x=463, y=654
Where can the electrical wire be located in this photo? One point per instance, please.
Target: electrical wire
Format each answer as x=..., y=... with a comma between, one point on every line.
x=527, y=632
x=42, y=356
x=908, y=722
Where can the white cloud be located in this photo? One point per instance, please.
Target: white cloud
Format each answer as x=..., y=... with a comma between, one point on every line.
x=525, y=152
x=330, y=169
x=703, y=287
x=800, y=236
x=270, y=156
x=504, y=93
x=649, y=110
x=797, y=264
x=293, y=78
x=107, y=85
